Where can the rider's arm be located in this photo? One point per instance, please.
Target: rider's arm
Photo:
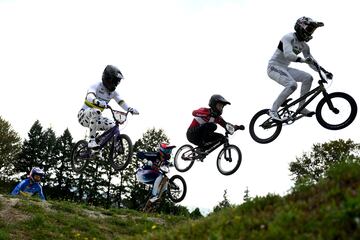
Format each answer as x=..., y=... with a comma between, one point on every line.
x=288, y=48
x=221, y=121
x=20, y=187
x=307, y=54
x=120, y=101
x=91, y=99
x=41, y=193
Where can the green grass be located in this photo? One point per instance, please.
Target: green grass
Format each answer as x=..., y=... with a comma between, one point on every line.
x=327, y=210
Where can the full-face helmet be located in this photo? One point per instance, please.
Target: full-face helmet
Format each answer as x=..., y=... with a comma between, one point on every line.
x=111, y=77
x=305, y=27
x=214, y=100
x=35, y=171
x=165, y=150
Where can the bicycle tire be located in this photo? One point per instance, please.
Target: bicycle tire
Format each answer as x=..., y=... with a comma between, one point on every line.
x=273, y=136
x=179, y=158
x=119, y=161
x=172, y=191
x=331, y=96
x=75, y=156
x=221, y=159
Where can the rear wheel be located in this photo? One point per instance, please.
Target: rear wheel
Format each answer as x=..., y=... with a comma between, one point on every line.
x=177, y=188
x=341, y=115
x=80, y=156
x=121, y=151
x=263, y=129
x=184, y=158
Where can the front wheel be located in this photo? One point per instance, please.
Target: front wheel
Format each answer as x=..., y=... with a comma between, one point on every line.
x=184, y=158
x=262, y=128
x=80, y=156
x=229, y=160
x=336, y=111
x=177, y=188
x=120, y=152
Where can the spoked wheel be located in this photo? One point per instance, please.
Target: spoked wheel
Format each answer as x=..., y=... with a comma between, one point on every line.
x=341, y=115
x=229, y=160
x=184, y=158
x=120, y=152
x=177, y=188
x=80, y=156
x=263, y=129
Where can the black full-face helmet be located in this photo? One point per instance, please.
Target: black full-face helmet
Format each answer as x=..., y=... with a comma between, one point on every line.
x=111, y=77
x=216, y=98
x=305, y=27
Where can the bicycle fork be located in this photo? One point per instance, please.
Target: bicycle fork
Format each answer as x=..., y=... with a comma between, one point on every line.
x=329, y=103
x=227, y=154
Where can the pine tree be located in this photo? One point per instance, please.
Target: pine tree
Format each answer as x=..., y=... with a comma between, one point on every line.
x=10, y=145
x=32, y=151
x=246, y=195
x=62, y=178
x=223, y=204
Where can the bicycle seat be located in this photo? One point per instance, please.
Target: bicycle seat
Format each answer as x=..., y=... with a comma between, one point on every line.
x=286, y=102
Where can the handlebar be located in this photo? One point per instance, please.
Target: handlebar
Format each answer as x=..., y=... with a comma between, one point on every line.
x=321, y=70
x=233, y=128
x=113, y=111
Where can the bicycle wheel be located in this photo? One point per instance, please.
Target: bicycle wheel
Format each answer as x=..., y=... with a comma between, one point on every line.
x=177, y=188
x=121, y=151
x=80, y=156
x=263, y=129
x=184, y=158
x=344, y=112
x=229, y=160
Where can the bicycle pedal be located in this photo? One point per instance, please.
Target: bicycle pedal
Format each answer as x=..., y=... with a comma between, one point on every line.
x=310, y=114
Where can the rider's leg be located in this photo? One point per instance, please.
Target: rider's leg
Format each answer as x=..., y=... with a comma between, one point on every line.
x=156, y=190
x=93, y=119
x=281, y=76
x=306, y=80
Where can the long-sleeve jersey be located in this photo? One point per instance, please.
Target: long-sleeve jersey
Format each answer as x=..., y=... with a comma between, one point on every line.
x=288, y=49
x=154, y=157
x=98, y=91
x=30, y=187
x=203, y=115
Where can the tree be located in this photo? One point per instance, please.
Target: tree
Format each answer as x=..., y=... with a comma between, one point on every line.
x=223, y=204
x=60, y=175
x=311, y=166
x=32, y=150
x=196, y=214
x=246, y=195
x=10, y=145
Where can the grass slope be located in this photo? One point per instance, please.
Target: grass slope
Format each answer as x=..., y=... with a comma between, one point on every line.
x=327, y=210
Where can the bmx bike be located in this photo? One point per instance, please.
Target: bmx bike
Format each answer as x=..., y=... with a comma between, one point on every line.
x=119, y=152
x=228, y=160
x=334, y=111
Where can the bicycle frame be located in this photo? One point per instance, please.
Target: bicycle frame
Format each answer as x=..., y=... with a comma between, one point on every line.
x=293, y=116
x=215, y=145
x=106, y=136
x=315, y=92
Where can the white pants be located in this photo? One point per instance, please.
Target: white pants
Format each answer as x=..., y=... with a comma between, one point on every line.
x=93, y=119
x=288, y=77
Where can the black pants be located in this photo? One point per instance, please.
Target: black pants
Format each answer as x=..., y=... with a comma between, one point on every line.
x=203, y=134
